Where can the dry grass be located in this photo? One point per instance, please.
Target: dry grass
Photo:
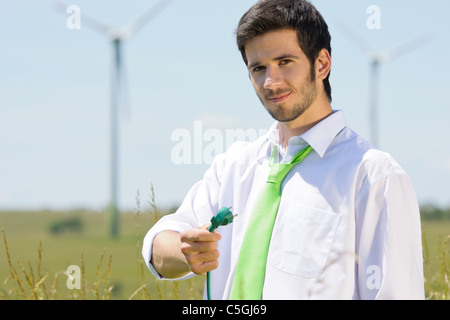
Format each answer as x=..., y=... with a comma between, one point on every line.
x=437, y=285
x=33, y=281
x=31, y=284
x=28, y=281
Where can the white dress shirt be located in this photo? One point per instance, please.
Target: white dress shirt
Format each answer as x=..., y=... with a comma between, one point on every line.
x=348, y=224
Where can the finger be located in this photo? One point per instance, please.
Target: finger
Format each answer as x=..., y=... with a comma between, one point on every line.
x=202, y=268
x=198, y=258
x=205, y=226
x=191, y=247
x=199, y=234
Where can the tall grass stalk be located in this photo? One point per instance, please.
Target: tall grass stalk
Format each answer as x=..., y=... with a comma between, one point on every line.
x=27, y=280
x=437, y=286
x=444, y=270
x=30, y=283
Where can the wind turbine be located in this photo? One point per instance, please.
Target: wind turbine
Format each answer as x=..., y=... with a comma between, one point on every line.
x=376, y=59
x=118, y=84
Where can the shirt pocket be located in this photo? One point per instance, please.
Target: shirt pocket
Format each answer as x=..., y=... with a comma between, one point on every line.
x=303, y=240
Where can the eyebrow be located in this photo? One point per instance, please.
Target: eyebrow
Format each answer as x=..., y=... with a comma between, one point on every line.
x=284, y=56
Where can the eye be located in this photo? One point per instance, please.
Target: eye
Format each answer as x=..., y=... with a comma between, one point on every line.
x=285, y=62
x=257, y=69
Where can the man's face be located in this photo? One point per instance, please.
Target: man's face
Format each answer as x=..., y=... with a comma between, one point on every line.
x=280, y=73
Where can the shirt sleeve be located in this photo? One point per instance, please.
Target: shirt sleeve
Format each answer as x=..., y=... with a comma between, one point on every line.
x=196, y=210
x=389, y=249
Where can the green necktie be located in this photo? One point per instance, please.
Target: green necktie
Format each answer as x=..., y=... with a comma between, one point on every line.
x=251, y=267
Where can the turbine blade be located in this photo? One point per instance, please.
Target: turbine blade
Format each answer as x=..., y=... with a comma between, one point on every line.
x=357, y=39
x=140, y=22
x=406, y=48
x=86, y=20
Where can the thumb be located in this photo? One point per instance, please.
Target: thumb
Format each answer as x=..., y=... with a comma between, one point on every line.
x=206, y=226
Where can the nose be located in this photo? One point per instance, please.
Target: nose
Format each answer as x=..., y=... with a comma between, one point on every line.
x=273, y=78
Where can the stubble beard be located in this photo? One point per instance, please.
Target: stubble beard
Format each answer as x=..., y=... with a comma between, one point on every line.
x=308, y=94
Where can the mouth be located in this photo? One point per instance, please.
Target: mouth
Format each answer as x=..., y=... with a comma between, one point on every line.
x=279, y=98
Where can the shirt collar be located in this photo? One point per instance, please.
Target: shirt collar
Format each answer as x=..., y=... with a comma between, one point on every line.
x=318, y=137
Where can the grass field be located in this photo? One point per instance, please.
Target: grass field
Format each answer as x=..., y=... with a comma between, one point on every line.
x=91, y=249
x=113, y=269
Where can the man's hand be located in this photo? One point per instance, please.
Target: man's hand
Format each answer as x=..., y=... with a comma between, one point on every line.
x=199, y=246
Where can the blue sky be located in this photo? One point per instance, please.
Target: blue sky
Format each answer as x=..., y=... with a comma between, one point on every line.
x=184, y=68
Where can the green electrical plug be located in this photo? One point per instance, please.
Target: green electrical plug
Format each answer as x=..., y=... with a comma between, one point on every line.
x=223, y=217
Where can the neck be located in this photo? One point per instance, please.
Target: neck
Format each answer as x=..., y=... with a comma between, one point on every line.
x=313, y=115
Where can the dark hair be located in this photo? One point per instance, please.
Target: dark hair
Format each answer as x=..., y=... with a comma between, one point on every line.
x=298, y=15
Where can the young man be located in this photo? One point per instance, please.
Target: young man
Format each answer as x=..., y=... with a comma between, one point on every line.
x=344, y=223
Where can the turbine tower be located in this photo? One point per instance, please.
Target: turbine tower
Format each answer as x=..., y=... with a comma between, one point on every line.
x=118, y=92
x=376, y=59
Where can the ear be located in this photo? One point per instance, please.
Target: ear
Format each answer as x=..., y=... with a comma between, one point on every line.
x=323, y=64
